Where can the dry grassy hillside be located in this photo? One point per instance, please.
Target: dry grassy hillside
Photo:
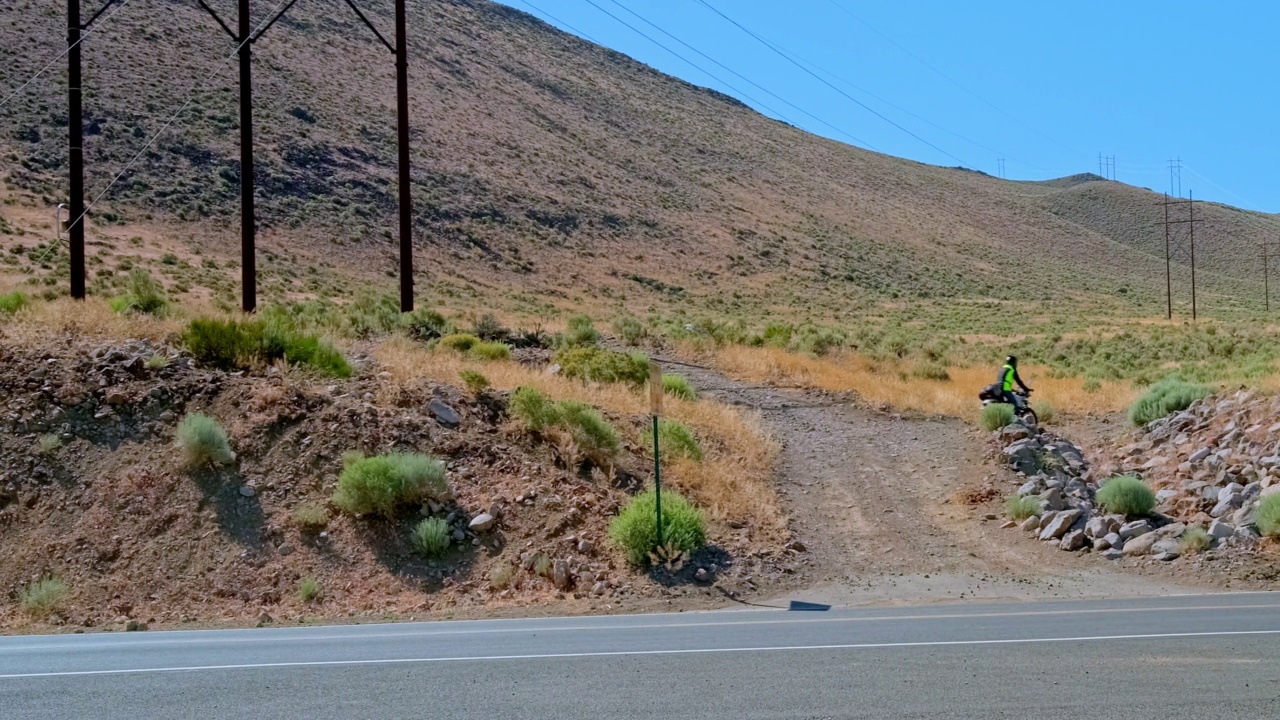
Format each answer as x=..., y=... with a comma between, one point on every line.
x=548, y=172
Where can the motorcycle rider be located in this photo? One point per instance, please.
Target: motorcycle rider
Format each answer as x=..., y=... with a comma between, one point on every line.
x=1009, y=376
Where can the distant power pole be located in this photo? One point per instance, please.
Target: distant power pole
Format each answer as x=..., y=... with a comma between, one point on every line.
x=1175, y=170
x=1111, y=166
x=1169, y=250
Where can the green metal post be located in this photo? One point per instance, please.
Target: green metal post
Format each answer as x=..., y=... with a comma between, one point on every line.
x=657, y=478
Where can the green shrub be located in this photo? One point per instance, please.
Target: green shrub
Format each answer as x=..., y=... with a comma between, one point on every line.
x=1126, y=495
x=677, y=386
x=310, y=351
x=310, y=516
x=222, y=344
x=629, y=329
x=309, y=590
x=380, y=485
x=488, y=328
x=1168, y=396
x=157, y=362
x=43, y=597
x=996, y=416
x=581, y=332
x=431, y=537
x=675, y=439
x=370, y=315
x=490, y=351
x=204, y=441
x=1194, y=540
x=228, y=345
x=1021, y=508
x=603, y=366
x=1267, y=517
x=931, y=371
x=1044, y=411
x=462, y=342
x=1091, y=385
x=11, y=303
x=635, y=530
x=143, y=294
x=593, y=435
x=426, y=324
x=533, y=409
x=474, y=381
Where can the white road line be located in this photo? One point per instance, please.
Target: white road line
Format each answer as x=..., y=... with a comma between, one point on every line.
x=627, y=653
x=88, y=642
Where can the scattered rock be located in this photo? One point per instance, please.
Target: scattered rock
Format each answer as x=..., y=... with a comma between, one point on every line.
x=443, y=413
x=1140, y=545
x=560, y=575
x=1030, y=524
x=1220, y=530
x=1073, y=541
x=248, y=491
x=1137, y=528
x=1060, y=524
x=482, y=522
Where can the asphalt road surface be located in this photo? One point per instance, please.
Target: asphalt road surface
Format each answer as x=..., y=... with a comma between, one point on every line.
x=1208, y=656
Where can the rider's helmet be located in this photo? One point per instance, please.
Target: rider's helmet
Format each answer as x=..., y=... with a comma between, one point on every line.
x=1012, y=360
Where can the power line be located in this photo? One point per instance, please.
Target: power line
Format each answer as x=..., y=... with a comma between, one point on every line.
x=69, y=48
x=948, y=78
x=856, y=101
x=558, y=21
x=642, y=34
x=739, y=75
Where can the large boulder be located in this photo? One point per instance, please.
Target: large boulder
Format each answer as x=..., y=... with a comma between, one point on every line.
x=1140, y=545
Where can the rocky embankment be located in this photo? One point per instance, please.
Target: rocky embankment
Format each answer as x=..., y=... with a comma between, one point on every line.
x=1208, y=465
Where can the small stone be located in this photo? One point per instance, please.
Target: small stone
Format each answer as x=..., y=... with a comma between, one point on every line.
x=701, y=575
x=459, y=535
x=797, y=546
x=600, y=588
x=560, y=575
x=1100, y=544
x=1096, y=527
x=1113, y=554
x=584, y=546
x=1137, y=528
x=1030, y=524
x=1031, y=487
x=264, y=619
x=1007, y=524
x=482, y=522
x=115, y=397
x=444, y=414
x=1073, y=541
x=1168, y=546
x=1114, y=540
x=1052, y=499
x=248, y=491
x=1226, y=505
x=1220, y=530
x=135, y=626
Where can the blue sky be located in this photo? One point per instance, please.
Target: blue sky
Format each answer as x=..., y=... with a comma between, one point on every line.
x=1046, y=86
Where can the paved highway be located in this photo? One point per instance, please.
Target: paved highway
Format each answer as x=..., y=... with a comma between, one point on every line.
x=1199, y=657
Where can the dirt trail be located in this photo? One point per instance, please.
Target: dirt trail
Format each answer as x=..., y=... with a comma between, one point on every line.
x=873, y=496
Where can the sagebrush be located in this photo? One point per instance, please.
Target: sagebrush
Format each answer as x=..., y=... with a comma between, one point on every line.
x=635, y=529
x=1126, y=495
x=431, y=537
x=995, y=416
x=381, y=485
x=204, y=441
x=1165, y=397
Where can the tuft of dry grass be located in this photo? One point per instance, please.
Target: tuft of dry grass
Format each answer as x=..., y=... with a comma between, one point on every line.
x=732, y=481
x=956, y=396
x=91, y=318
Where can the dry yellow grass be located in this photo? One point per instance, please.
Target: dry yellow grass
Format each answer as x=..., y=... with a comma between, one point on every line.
x=732, y=482
x=91, y=318
x=957, y=396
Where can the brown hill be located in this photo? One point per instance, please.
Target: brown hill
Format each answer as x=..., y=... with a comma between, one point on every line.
x=548, y=172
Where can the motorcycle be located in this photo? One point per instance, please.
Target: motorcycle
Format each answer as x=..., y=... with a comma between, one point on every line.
x=992, y=395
